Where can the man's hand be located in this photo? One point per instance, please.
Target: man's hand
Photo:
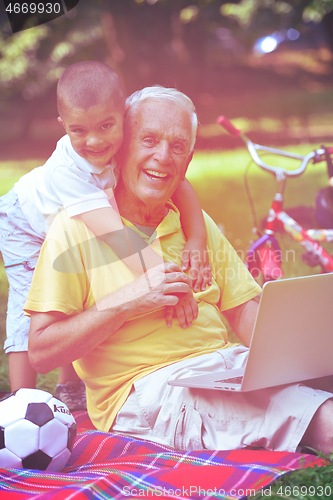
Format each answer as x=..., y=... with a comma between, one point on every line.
x=166, y=285
x=162, y=286
x=56, y=339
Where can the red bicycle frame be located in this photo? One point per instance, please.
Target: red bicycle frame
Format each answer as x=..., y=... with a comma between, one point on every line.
x=264, y=255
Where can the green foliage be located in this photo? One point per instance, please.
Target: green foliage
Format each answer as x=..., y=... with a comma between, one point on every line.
x=312, y=483
x=316, y=10
x=15, y=60
x=250, y=13
x=131, y=35
x=243, y=12
x=30, y=65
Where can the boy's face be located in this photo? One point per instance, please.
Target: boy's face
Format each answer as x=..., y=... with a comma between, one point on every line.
x=96, y=134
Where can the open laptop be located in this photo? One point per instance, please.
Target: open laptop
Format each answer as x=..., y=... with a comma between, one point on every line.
x=292, y=339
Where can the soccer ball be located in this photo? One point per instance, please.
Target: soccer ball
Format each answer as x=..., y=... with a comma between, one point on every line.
x=37, y=431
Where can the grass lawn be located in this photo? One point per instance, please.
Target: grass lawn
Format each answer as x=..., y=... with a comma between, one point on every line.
x=218, y=178
x=10, y=172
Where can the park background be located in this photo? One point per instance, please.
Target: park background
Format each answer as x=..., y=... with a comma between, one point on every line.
x=267, y=65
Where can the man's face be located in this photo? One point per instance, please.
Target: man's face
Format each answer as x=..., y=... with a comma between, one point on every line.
x=156, y=151
x=96, y=134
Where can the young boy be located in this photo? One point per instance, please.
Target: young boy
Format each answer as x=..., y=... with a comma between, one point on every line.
x=79, y=177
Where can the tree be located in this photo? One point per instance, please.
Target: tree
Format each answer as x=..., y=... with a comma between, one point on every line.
x=171, y=42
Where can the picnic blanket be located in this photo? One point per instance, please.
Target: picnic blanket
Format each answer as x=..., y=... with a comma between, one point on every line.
x=107, y=465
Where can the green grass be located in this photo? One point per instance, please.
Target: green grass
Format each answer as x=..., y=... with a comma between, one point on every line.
x=218, y=178
x=10, y=172
x=314, y=483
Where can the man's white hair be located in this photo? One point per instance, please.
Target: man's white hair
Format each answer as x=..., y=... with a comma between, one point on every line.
x=159, y=93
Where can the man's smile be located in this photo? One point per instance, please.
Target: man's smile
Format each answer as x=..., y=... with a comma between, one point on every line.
x=155, y=175
x=155, y=158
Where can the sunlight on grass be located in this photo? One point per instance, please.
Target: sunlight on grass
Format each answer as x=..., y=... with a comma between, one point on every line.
x=11, y=171
x=292, y=125
x=212, y=164
x=218, y=178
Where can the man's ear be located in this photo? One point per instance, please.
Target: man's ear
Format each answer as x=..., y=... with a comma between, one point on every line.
x=61, y=122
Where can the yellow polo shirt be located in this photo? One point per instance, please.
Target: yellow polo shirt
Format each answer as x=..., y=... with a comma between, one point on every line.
x=75, y=269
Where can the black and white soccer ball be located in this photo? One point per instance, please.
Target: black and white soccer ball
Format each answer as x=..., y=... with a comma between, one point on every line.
x=37, y=431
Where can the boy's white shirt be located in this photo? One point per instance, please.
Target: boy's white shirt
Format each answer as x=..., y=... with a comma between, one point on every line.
x=65, y=181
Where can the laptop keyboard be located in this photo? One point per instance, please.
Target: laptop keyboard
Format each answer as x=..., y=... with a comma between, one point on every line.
x=232, y=380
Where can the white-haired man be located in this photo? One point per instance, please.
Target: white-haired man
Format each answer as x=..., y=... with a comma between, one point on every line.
x=111, y=324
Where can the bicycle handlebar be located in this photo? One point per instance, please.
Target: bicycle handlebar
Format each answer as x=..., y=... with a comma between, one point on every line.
x=328, y=152
x=280, y=173
x=228, y=126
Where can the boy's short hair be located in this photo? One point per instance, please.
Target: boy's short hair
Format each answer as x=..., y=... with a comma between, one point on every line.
x=159, y=93
x=87, y=84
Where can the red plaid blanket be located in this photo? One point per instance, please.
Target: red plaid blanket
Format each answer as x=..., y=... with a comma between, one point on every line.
x=107, y=465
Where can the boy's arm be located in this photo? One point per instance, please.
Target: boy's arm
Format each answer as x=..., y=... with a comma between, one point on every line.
x=195, y=251
x=106, y=223
x=136, y=254
x=56, y=339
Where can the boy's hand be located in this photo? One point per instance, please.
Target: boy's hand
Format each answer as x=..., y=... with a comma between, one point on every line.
x=186, y=310
x=195, y=256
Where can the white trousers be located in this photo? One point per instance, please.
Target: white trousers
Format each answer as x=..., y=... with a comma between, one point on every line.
x=193, y=419
x=18, y=243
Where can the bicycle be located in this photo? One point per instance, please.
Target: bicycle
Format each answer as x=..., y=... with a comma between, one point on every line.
x=264, y=257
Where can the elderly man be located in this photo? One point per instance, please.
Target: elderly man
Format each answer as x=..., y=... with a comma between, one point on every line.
x=111, y=323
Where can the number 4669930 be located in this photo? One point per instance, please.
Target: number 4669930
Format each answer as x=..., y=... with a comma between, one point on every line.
x=295, y=491
x=33, y=8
